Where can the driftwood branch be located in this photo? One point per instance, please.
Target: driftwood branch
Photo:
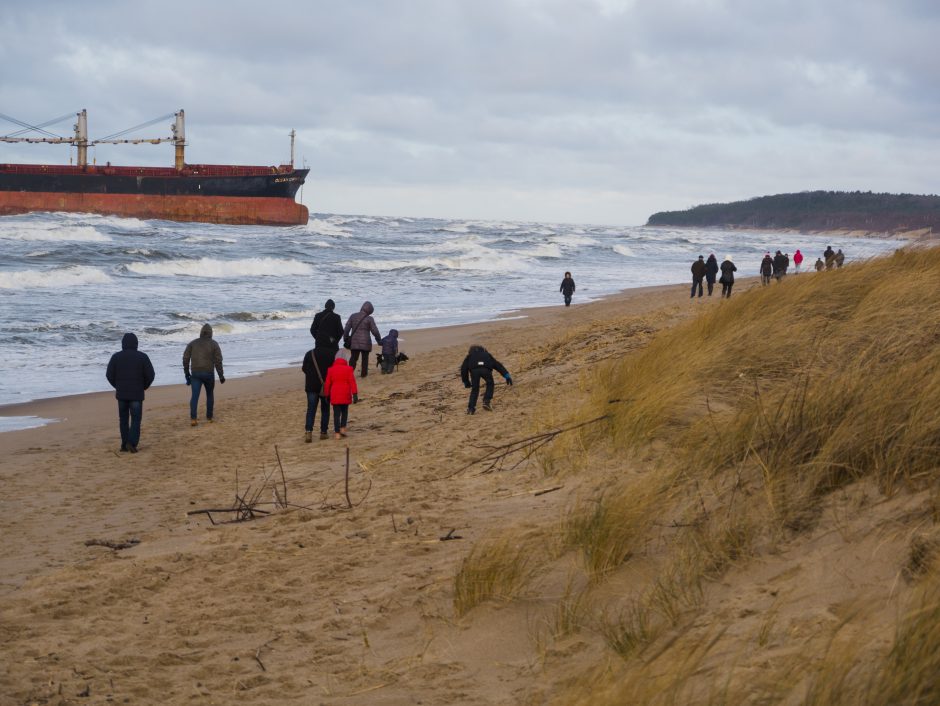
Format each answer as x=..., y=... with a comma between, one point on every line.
x=126, y=544
x=496, y=458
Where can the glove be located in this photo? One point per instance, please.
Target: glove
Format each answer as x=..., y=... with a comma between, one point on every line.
x=508, y=379
x=222, y=379
x=356, y=399
x=189, y=380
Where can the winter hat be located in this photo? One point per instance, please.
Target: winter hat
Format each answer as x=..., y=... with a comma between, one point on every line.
x=728, y=258
x=330, y=305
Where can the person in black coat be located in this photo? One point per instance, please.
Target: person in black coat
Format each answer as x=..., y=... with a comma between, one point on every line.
x=316, y=362
x=728, y=269
x=130, y=372
x=711, y=272
x=698, y=274
x=327, y=328
x=479, y=364
x=567, y=288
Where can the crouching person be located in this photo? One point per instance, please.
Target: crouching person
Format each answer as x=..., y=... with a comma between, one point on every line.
x=340, y=387
x=390, y=351
x=479, y=365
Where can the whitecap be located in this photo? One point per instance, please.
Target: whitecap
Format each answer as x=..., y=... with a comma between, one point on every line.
x=624, y=250
x=321, y=227
x=59, y=277
x=53, y=232
x=210, y=267
x=544, y=250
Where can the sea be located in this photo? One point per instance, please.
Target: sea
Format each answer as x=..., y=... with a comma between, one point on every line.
x=72, y=284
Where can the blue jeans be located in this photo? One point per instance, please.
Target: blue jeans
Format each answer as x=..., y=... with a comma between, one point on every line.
x=312, y=398
x=130, y=412
x=567, y=300
x=198, y=381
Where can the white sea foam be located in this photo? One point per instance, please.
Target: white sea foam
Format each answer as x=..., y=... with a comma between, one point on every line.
x=543, y=250
x=624, y=250
x=489, y=262
x=53, y=232
x=57, y=278
x=326, y=227
x=210, y=267
x=38, y=253
x=208, y=239
x=20, y=423
x=457, y=228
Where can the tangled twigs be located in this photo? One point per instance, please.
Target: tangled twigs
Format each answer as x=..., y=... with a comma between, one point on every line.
x=126, y=544
x=496, y=458
x=280, y=497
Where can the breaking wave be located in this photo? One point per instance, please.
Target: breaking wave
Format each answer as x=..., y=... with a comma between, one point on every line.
x=209, y=267
x=60, y=277
x=53, y=232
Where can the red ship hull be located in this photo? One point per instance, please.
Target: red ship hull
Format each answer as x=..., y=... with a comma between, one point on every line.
x=232, y=210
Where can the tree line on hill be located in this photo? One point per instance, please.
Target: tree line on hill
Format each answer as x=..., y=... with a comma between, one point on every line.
x=815, y=211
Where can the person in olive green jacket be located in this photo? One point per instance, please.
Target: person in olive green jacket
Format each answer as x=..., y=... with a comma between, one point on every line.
x=205, y=357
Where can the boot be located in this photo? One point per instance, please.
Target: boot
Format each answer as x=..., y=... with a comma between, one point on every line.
x=308, y=437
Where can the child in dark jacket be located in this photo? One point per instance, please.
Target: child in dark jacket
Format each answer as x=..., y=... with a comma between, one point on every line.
x=389, y=351
x=340, y=387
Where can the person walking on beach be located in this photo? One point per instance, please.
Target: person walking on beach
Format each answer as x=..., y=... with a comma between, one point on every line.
x=327, y=328
x=479, y=365
x=830, y=257
x=727, y=276
x=766, y=269
x=797, y=261
x=356, y=336
x=317, y=362
x=341, y=390
x=390, y=351
x=206, y=358
x=780, y=266
x=839, y=257
x=130, y=372
x=567, y=288
x=698, y=274
x=820, y=265
x=711, y=272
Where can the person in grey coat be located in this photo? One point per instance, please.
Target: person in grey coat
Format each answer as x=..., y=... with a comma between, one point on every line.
x=205, y=355
x=357, y=336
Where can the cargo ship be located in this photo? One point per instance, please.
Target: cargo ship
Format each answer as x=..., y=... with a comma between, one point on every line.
x=209, y=193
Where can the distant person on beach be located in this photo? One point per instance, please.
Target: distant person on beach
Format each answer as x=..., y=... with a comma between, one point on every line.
x=786, y=262
x=479, y=365
x=206, y=358
x=327, y=327
x=766, y=269
x=130, y=372
x=316, y=364
x=698, y=274
x=389, y=351
x=711, y=272
x=780, y=266
x=797, y=261
x=830, y=257
x=340, y=388
x=839, y=258
x=567, y=288
x=727, y=276
x=356, y=336
x=820, y=265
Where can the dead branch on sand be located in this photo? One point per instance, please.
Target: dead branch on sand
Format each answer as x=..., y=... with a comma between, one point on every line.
x=498, y=456
x=126, y=544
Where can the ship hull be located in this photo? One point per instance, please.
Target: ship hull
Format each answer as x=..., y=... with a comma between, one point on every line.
x=200, y=193
x=232, y=210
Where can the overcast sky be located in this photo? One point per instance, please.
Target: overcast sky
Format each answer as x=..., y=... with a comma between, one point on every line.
x=587, y=111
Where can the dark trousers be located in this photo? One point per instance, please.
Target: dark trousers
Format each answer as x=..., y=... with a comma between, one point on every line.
x=198, y=381
x=388, y=363
x=312, y=398
x=567, y=300
x=340, y=416
x=475, y=376
x=726, y=289
x=696, y=283
x=711, y=284
x=354, y=357
x=765, y=280
x=130, y=412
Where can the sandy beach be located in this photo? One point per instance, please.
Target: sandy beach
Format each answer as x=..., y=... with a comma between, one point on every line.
x=323, y=604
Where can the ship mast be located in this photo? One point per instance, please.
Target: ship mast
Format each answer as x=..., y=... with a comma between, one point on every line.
x=81, y=138
x=179, y=138
x=293, y=134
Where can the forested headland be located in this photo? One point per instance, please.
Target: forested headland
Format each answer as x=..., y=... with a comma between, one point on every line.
x=816, y=211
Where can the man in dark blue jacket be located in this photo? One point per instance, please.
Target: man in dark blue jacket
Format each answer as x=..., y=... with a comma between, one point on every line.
x=479, y=364
x=130, y=373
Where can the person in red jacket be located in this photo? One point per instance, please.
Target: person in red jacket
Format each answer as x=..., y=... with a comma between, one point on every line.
x=798, y=260
x=340, y=388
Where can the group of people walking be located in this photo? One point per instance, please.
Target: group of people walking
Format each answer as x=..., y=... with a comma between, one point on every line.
x=707, y=271
x=771, y=268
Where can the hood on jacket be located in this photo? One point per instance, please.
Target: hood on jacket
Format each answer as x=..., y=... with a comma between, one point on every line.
x=393, y=333
x=129, y=342
x=330, y=305
x=367, y=308
x=206, y=331
x=476, y=348
x=341, y=362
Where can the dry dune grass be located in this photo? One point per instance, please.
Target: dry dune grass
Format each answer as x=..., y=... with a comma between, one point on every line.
x=786, y=415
